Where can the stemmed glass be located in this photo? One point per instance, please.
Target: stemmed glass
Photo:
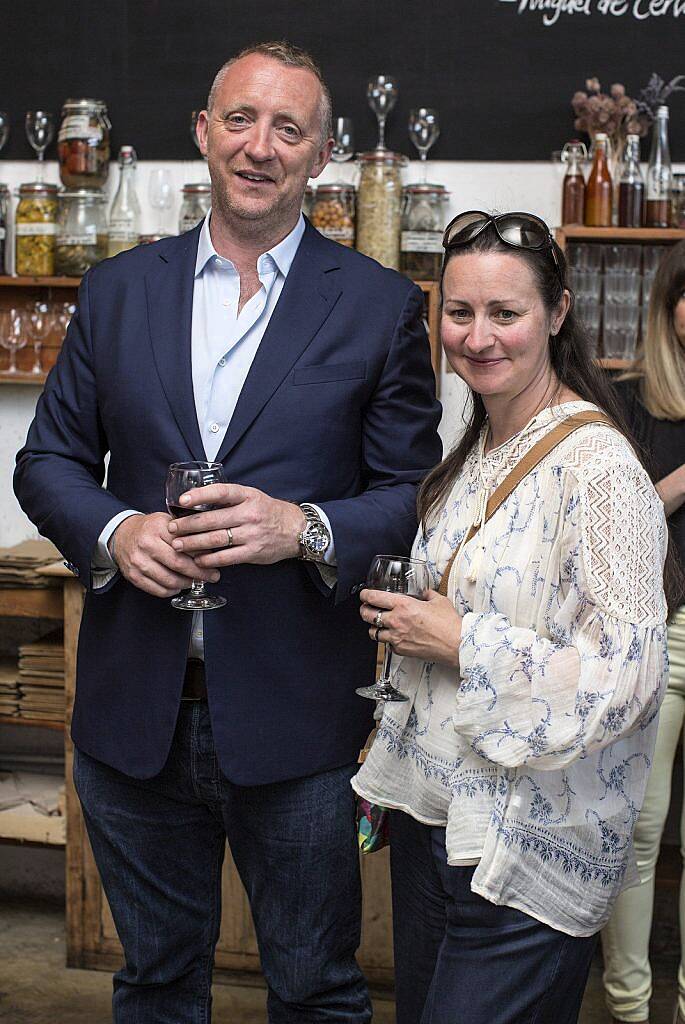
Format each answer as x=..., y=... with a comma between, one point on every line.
x=424, y=131
x=39, y=322
x=182, y=477
x=159, y=193
x=395, y=575
x=4, y=128
x=12, y=336
x=40, y=131
x=343, y=142
x=381, y=92
x=65, y=314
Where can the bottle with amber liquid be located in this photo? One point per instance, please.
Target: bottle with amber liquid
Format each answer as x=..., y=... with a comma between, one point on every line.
x=599, y=191
x=573, y=193
x=659, y=174
x=631, y=189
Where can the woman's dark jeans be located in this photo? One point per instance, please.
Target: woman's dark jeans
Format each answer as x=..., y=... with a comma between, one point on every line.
x=460, y=959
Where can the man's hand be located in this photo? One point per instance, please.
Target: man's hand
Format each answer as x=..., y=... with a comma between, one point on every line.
x=263, y=530
x=143, y=552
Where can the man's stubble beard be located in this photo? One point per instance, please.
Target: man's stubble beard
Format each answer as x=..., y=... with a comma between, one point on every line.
x=252, y=221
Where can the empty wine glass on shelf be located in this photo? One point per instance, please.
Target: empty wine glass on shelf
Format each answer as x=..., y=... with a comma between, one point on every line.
x=343, y=135
x=64, y=315
x=40, y=320
x=12, y=335
x=4, y=128
x=182, y=477
x=40, y=131
x=395, y=575
x=381, y=92
x=159, y=194
x=424, y=131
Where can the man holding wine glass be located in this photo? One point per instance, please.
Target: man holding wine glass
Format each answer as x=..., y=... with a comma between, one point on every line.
x=302, y=371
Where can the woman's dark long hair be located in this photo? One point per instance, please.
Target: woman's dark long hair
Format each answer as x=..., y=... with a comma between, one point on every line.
x=572, y=362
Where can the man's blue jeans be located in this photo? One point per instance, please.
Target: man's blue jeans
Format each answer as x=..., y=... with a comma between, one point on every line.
x=159, y=846
x=460, y=959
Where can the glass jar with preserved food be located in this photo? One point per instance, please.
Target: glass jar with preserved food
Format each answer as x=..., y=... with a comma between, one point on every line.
x=197, y=199
x=333, y=212
x=83, y=144
x=4, y=217
x=379, y=205
x=307, y=200
x=423, y=223
x=81, y=239
x=678, y=201
x=35, y=228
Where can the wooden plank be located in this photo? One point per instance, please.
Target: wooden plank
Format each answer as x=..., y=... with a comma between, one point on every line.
x=36, y=380
x=25, y=824
x=34, y=723
x=15, y=281
x=578, y=232
x=38, y=603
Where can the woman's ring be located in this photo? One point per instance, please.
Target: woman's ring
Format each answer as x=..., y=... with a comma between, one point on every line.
x=229, y=538
x=378, y=621
x=376, y=638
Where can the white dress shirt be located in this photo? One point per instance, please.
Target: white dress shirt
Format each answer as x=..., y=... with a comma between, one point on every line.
x=224, y=342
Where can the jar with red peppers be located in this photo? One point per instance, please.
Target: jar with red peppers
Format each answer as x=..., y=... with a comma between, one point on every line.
x=83, y=144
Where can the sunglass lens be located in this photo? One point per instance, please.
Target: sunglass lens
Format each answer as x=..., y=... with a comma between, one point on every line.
x=523, y=232
x=464, y=228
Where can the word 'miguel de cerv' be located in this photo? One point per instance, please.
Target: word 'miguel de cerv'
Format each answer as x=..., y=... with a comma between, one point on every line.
x=639, y=9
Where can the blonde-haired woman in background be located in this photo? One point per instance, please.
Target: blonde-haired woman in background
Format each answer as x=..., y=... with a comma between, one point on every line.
x=653, y=396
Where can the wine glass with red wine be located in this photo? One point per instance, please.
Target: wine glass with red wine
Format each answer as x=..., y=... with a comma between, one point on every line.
x=182, y=477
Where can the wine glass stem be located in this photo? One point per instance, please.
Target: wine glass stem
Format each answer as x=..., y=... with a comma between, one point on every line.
x=37, y=368
x=387, y=658
x=381, y=133
x=13, y=360
x=198, y=589
x=423, y=166
x=39, y=176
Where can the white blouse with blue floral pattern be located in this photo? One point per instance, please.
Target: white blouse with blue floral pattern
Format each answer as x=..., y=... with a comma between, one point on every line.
x=535, y=756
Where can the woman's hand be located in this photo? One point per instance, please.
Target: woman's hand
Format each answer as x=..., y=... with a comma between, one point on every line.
x=429, y=629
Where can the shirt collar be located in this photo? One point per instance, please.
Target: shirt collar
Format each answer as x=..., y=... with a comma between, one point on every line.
x=282, y=254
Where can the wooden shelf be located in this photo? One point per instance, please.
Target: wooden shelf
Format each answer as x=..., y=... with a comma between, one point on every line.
x=11, y=281
x=579, y=233
x=37, y=380
x=35, y=723
x=23, y=824
x=32, y=602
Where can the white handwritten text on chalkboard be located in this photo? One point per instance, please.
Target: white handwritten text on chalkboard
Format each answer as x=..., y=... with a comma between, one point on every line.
x=552, y=10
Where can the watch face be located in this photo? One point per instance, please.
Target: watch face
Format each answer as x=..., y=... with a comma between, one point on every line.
x=316, y=538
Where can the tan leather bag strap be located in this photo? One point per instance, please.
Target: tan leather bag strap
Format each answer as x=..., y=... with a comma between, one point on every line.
x=521, y=470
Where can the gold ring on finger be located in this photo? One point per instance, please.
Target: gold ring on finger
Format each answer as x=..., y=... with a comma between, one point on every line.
x=229, y=537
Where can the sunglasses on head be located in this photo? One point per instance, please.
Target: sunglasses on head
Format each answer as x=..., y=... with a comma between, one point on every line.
x=519, y=230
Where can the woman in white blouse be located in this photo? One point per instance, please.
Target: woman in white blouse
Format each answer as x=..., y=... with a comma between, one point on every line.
x=517, y=768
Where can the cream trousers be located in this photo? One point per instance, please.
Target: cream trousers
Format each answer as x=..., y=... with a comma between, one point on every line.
x=625, y=939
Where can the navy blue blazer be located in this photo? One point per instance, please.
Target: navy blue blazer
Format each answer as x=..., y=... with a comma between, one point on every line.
x=338, y=408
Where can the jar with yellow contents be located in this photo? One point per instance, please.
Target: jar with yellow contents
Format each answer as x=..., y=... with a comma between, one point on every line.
x=35, y=229
x=379, y=205
x=333, y=212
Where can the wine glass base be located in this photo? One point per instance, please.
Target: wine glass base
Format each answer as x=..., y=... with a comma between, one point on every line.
x=382, y=692
x=188, y=603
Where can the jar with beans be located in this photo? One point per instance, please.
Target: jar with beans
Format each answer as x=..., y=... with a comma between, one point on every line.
x=35, y=228
x=333, y=212
x=423, y=222
x=4, y=220
x=379, y=205
x=83, y=144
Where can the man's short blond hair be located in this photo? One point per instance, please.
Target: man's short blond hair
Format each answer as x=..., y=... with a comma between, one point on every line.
x=292, y=57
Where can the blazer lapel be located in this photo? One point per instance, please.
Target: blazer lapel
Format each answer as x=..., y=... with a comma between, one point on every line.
x=309, y=294
x=169, y=290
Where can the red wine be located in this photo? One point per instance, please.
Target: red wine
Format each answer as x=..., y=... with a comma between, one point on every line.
x=181, y=511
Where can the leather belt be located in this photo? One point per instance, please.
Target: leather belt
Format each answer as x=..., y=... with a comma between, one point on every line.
x=194, y=687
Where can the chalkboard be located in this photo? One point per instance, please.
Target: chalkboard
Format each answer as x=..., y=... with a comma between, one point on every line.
x=500, y=72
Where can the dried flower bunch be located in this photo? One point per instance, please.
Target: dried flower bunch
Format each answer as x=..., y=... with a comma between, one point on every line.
x=614, y=113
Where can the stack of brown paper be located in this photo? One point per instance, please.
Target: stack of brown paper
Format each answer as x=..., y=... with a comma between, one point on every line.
x=9, y=688
x=20, y=566
x=41, y=680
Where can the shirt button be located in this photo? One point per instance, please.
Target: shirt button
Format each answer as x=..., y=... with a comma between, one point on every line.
x=222, y=361
x=214, y=427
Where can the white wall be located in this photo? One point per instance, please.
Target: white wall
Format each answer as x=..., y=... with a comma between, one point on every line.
x=535, y=187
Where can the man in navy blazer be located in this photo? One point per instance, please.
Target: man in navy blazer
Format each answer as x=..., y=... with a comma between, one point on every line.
x=303, y=367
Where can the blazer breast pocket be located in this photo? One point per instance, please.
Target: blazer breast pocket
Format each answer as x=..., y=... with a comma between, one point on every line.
x=328, y=373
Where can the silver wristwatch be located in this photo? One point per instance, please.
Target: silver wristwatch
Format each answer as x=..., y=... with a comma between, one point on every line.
x=315, y=539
